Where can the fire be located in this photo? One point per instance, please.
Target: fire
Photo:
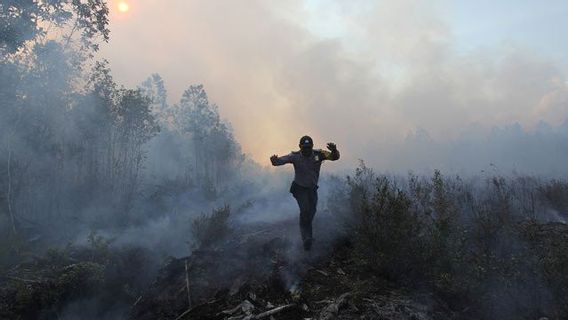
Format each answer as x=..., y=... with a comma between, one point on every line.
x=123, y=7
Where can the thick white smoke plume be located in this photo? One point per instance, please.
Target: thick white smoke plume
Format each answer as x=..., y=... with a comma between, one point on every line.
x=377, y=77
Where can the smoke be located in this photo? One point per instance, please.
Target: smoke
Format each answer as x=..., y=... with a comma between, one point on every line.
x=368, y=76
x=389, y=83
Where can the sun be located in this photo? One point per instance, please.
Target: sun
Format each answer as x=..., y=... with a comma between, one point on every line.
x=123, y=7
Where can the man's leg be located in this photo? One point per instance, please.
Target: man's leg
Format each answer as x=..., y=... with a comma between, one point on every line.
x=307, y=201
x=302, y=196
x=313, y=202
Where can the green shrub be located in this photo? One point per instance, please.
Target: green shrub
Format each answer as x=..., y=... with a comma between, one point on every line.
x=555, y=193
x=467, y=240
x=389, y=235
x=208, y=229
x=100, y=247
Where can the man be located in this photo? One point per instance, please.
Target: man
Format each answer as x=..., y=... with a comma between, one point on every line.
x=307, y=163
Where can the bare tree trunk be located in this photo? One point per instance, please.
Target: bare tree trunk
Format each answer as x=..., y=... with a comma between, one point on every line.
x=9, y=193
x=187, y=285
x=196, y=159
x=71, y=34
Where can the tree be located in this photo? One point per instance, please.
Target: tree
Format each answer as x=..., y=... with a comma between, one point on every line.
x=213, y=142
x=22, y=21
x=154, y=88
x=38, y=74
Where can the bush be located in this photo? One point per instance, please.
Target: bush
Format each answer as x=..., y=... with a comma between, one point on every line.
x=388, y=234
x=555, y=193
x=466, y=240
x=209, y=229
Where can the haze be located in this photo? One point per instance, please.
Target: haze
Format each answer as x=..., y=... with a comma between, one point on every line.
x=405, y=85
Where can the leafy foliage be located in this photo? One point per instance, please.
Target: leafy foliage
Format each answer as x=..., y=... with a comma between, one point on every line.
x=75, y=141
x=209, y=229
x=30, y=20
x=45, y=286
x=475, y=244
x=388, y=233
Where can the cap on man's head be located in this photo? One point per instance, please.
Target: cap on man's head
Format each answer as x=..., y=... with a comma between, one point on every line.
x=306, y=141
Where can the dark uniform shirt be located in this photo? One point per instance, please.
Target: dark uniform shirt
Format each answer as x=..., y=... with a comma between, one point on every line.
x=307, y=168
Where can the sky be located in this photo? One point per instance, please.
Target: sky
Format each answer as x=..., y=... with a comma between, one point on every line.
x=368, y=75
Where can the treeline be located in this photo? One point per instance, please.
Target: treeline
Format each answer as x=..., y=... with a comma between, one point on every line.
x=78, y=149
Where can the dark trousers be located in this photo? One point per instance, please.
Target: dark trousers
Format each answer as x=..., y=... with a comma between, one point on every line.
x=307, y=199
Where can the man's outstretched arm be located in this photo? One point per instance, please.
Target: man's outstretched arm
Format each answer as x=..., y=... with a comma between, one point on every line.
x=278, y=161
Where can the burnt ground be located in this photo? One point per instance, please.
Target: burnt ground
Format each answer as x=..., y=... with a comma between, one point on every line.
x=262, y=273
x=257, y=272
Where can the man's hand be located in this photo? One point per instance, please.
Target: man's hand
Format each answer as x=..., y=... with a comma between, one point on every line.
x=334, y=153
x=273, y=159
